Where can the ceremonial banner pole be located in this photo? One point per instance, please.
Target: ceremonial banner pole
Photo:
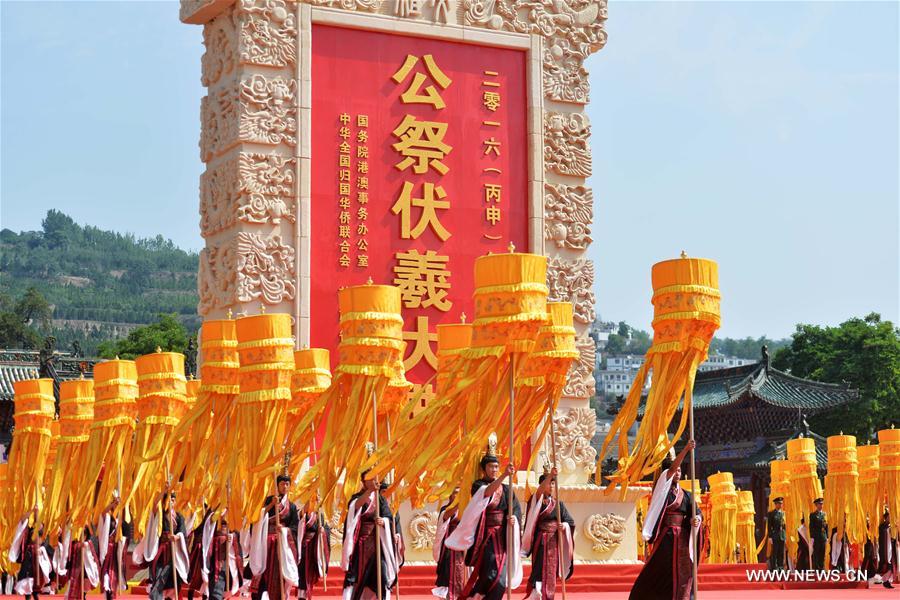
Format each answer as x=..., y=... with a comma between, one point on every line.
x=694, y=533
x=166, y=502
x=509, y=500
x=559, y=533
x=377, y=499
x=277, y=526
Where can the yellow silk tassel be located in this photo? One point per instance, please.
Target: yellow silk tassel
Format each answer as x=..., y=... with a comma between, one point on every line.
x=872, y=504
x=889, y=475
x=723, y=529
x=780, y=487
x=686, y=315
x=746, y=527
x=842, y=501
x=312, y=377
x=76, y=411
x=805, y=484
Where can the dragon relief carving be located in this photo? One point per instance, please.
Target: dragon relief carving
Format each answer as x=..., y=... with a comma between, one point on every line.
x=580, y=380
x=220, y=57
x=268, y=110
x=565, y=79
x=422, y=529
x=216, y=278
x=265, y=268
x=359, y=5
x=265, y=209
x=566, y=149
x=606, y=532
x=575, y=428
x=568, y=213
x=268, y=32
x=572, y=281
x=219, y=115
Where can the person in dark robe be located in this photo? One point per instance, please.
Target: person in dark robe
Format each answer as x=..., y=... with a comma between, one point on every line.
x=314, y=545
x=840, y=552
x=887, y=558
x=165, y=556
x=110, y=548
x=776, y=527
x=818, y=533
x=28, y=549
x=275, y=560
x=804, y=544
x=668, y=573
x=870, y=554
x=368, y=523
x=195, y=581
x=484, y=532
x=547, y=544
x=451, y=564
x=221, y=555
x=81, y=567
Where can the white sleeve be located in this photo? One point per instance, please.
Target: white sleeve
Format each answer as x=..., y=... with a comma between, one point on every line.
x=657, y=504
x=17, y=540
x=286, y=557
x=463, y=536
x=442, y=526
x=349, y=532
x=181, y=556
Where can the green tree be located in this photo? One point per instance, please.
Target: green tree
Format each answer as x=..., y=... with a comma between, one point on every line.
x=167, y=333
x=615, y=344
x=20, y=320
x=864, y=353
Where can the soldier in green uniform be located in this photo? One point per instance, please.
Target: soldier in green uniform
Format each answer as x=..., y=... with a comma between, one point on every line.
x=776, y=525
x=818, y=531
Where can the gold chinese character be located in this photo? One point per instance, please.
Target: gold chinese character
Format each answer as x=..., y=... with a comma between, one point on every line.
x=491, y=100
x=344, y=217
x=344, y=189
x=423, y=279
x=492, y=192
x=344, y=160
x=361, y=229
x=345, y=119
x=344, y=231
x=362, y=260
x=492, y=214
x=344, y=175
x=362, y=167
x=363, y=183
x=362, y=152
x=362, y=244
x=344, y=202
x=362, y=197
x=491, y=145
x=421, y=340
x=422, y=144
x=362, y=213
x=413, y=94
x=344, y=260
x=344, y=148
x=425, y=394
x=362, y=136
x=344, y=132
x=344, y=246
x=362, y=120
x=429, y=206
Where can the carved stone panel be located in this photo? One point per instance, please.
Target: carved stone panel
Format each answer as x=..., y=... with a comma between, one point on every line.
x=568, y=214
x=220, y=39
x=422, y=529
x=573, y=281
x=265, y=268
x=575, y=427
x=566, y=149
x=580, y=382
x=605, y=531
x=268, y=32
x=216, y=280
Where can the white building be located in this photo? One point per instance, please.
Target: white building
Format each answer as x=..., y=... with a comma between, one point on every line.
x=720, y=361
x=620, y=371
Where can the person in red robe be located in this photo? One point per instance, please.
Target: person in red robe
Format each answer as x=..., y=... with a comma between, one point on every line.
x=110, y=549
x=548, y=539
x=451, y=564
x=272, y=557
x=165, y=556
x=221, y=555
x=484, y=532
x=668, y=573
x=28, y=549
x=365, y=526
x=314, y=547
x=81, y=570
x=195, y=581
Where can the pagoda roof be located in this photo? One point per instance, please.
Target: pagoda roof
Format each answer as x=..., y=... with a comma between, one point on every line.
x=10, y=374
x=770, y=452
x=722, y=388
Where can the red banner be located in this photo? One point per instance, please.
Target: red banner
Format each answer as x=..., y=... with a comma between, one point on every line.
x=420, y=166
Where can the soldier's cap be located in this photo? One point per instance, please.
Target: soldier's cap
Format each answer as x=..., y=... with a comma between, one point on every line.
x=779, y=499
x=819, y=501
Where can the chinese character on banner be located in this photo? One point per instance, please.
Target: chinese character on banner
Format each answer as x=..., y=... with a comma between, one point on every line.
x=428, y=217
x=418, y=344
x=413, y=93
x=422, y=144
x=423, y=279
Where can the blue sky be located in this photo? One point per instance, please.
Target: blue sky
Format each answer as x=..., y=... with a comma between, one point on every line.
x=761, y=134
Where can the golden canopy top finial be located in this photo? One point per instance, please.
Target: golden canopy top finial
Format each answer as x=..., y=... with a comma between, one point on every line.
x=81, y=376
x=158, y=349
x=190, y=376
x=262, y=308
x=462, y=317
x=683, y=254
x=511, y=247
x=229, y=314
x=117, y=357
x=841, y=432
x=369, y=281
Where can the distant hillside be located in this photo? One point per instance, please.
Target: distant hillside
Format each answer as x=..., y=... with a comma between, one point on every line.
x=101, y=284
